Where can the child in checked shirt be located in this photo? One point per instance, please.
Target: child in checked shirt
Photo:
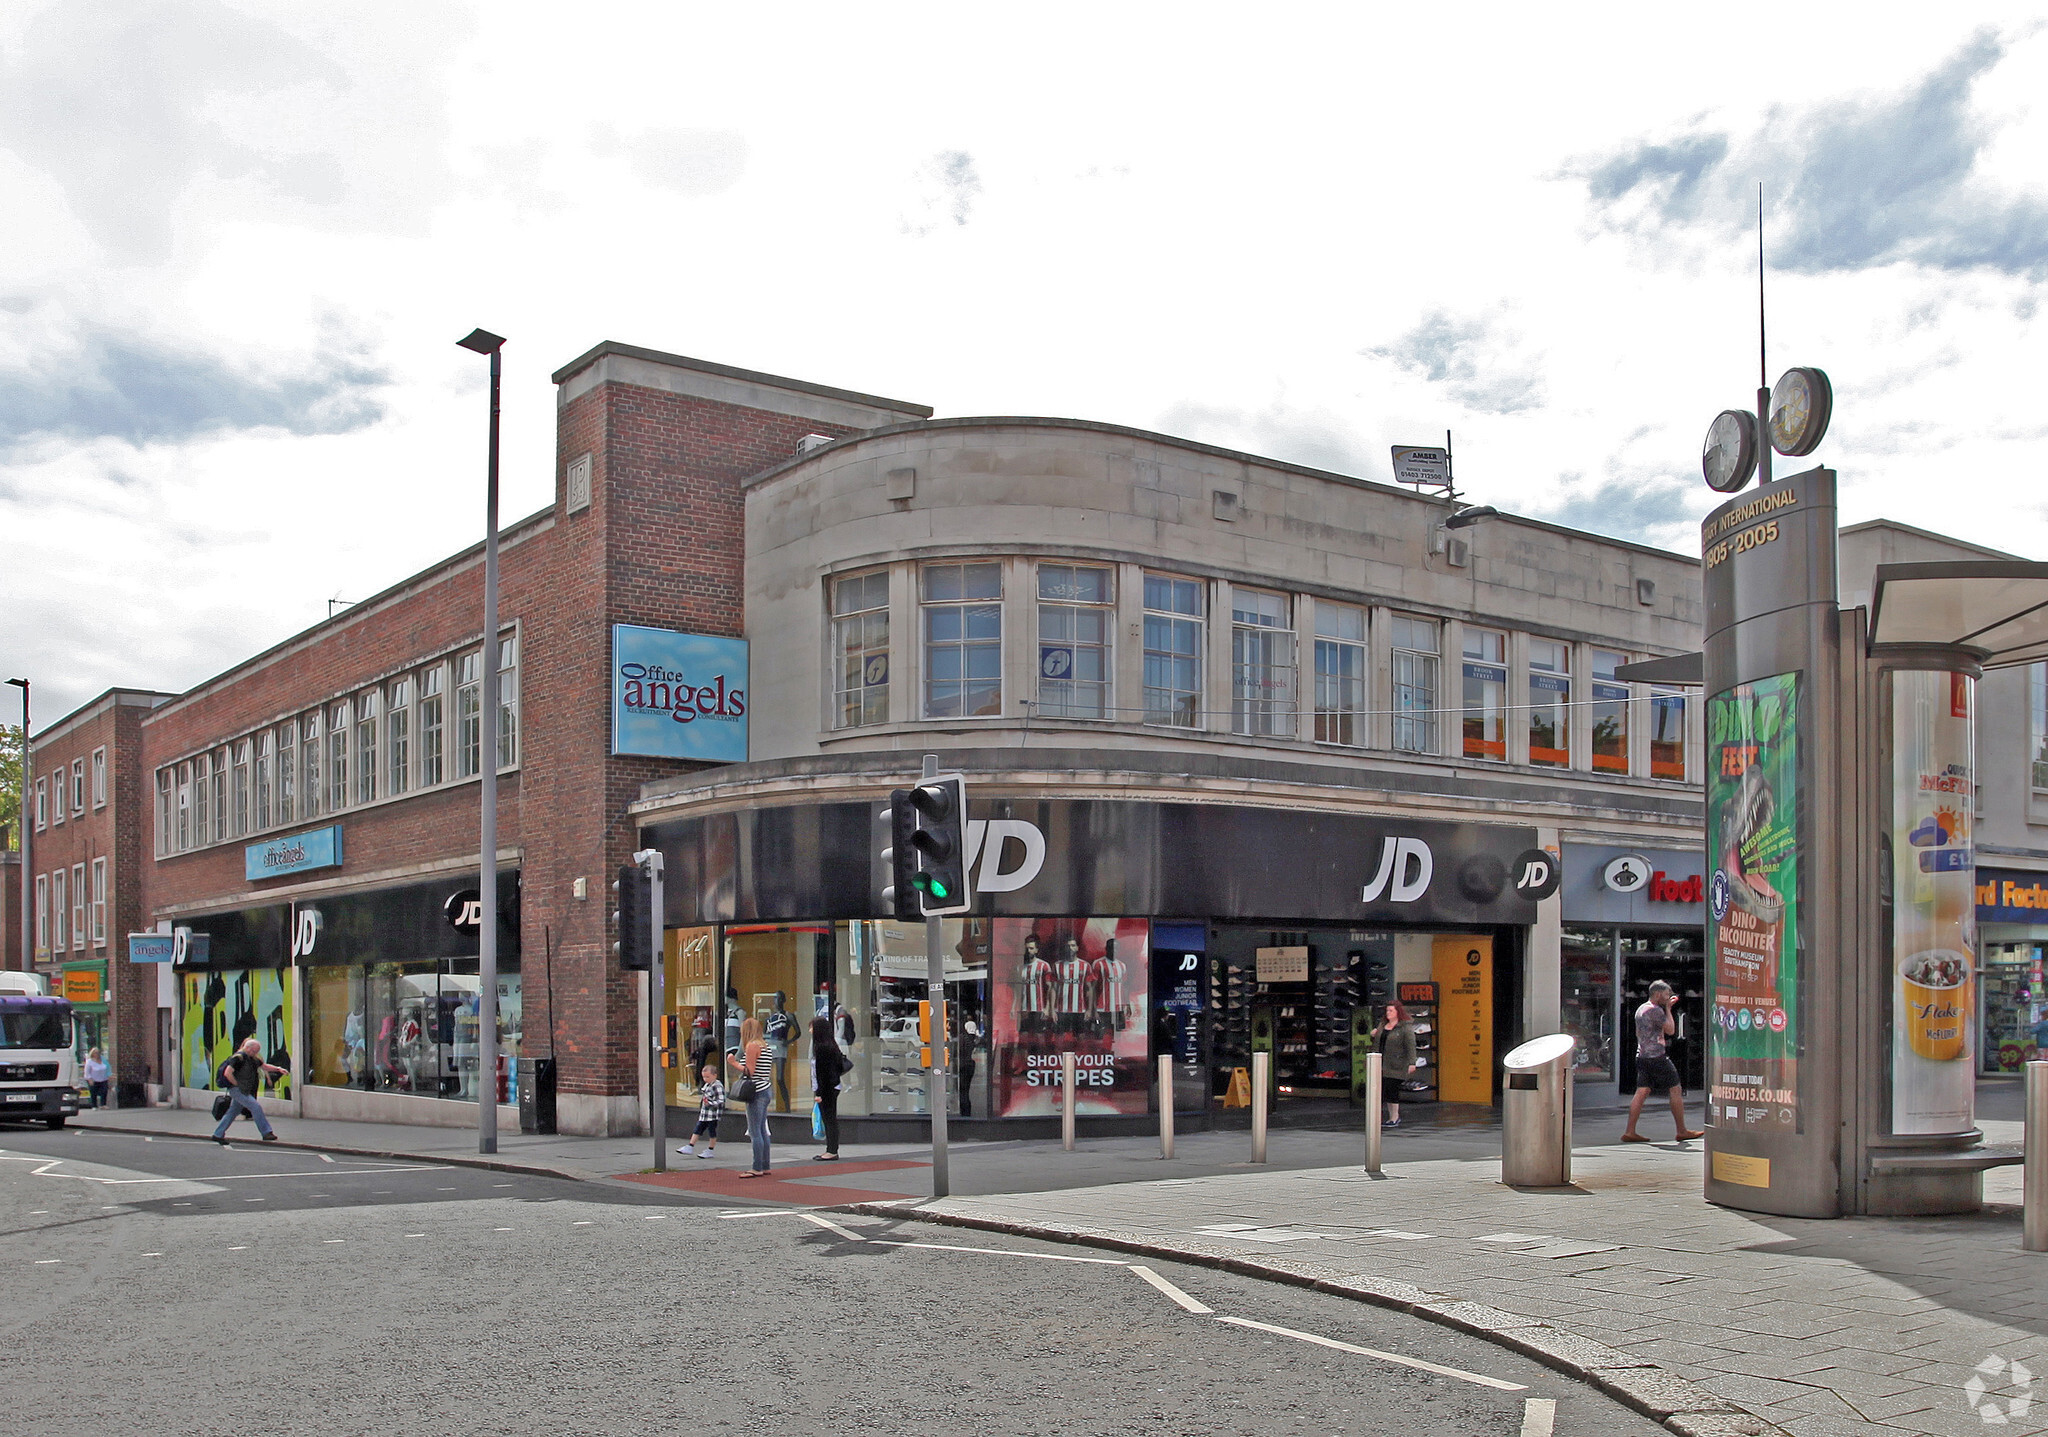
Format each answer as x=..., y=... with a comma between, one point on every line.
x=709, y=1106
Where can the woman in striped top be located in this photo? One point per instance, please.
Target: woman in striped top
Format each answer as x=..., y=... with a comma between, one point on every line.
x=756, y=1060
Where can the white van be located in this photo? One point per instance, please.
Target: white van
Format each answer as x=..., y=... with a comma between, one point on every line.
x=36, y=1077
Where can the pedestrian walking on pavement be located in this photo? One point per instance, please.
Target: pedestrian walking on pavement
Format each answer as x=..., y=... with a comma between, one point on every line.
x=96, y=1075
x=243, y=1074
x=1655, y=1072
x=755, y=1063
x=710, y=1107
x=828, y=1066
x=1395, y=1040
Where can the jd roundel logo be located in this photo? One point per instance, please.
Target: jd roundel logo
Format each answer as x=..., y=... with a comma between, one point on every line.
x=1995, y=1376
x=1537, y=874
x=1717, y=894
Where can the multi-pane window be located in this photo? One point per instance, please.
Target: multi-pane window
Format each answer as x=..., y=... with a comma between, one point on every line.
x=963, y=640
x=78, y=785
x=243, y=819
x=431, y=726
x=469, y=728
x=312, y=746
x=366, y=748
x=42, y=803
x=78, y=905
x=219, y=796
x=42, y=913
x=1550, y=703
x=1173, y=651
x=1261, y=664
x=508, y=701
x=398, y=737
x=184, y=806
x=1610, y=713
x=260, y=814
x=99, y=902
x=338, y=719
x=56, y=795
x=2037, y=746
x=60, y=913
x=1417, y=650
x=287, y=770
x=1667, y=734
x=1485, y=675
x=202, y=799
x=860, y=649
x=1076, y=618
x=1340, y=673
x=164, y=831
x=99, y=778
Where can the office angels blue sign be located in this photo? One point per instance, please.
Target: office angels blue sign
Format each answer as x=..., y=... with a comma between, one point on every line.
x=678, y=695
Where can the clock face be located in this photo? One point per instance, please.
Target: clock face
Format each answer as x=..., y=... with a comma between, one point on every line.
x=1801, y=402
x=1729, y=457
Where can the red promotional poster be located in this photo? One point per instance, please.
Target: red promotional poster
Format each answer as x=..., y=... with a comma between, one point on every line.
x=1070, y=985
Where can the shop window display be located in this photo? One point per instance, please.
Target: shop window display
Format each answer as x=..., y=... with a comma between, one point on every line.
x=1074, y=985
x=409, y=1028
x=223, y=1008
x=1586, y=983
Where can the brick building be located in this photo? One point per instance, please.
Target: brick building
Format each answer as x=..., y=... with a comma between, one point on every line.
x=313, y=809
x=87, y=860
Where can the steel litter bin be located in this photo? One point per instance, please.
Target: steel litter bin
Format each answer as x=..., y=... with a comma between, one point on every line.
x=537, y=1095
x=1536, y=1113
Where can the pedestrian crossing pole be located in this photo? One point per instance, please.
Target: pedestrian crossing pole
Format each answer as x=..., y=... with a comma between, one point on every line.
x=935, y=993
x=650, y=863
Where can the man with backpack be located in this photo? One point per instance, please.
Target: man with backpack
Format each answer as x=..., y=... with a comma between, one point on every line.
x=244, y=1074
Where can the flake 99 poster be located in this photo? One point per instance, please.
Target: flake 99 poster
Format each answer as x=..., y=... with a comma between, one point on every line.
x=1070, y=985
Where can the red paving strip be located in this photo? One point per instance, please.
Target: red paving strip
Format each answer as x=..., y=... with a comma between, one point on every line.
x=780, y=1189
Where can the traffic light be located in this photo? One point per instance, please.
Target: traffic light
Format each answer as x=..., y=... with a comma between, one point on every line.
x=900, y=857
x=924, y=1029
x=939, y=815
x=670, y=1039
x=633, y=900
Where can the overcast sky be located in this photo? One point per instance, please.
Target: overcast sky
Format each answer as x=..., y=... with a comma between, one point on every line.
x=241, y=240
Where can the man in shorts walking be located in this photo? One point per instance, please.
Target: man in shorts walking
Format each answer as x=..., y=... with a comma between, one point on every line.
x=1655, y=1072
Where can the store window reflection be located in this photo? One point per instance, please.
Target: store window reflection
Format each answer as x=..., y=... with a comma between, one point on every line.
x=1587, y=990
x=410, y=1028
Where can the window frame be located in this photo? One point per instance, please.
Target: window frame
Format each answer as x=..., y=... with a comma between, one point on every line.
x=202, y=799
x=166, y=782
x=1556, y=682
x=1344, y=726
x=431, y=741
x=398, y=713
x=242, y=783
x=368, y=734
x=1416, y=722
x=508, y=702
x=60, y=906
x=1183, y=707
x=77, y=787
x=469, y=715
x=1662, y=702
x=260, y=810
x=1605, y=691
x=42, y=913
x=42, y=803
x=966, y=646
x=1072, y=610
x=287, y=774
x=99, y=777
x=220, y=795
x=81, y=909
x=859, y=701
x=1275, y=672
x=99, y=902
x=1484, y=670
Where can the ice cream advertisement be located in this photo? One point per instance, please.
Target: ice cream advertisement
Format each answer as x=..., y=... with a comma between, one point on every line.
x=1933, y=903
x=1753, y=898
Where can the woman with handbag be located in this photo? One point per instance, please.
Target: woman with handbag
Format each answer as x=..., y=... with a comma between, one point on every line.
x=828, y=1066
x=755, y=1063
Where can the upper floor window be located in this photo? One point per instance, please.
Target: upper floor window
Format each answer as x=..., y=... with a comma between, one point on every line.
x=508, y=701
x=1667, y=734
x=218, y=799
x=243, y=820
x=1485, y=675
x=78, y=785
x=164, y=830
x=42, y=913
x=202, y=799
x=312, y=782
x=469, y=708
x=287, y=770
x=1550, y=703
x=366, y=748
x=963, y=640
x=1417, y=651
x=56, y=795
x=1076, y=620
x=431, y=725
x=99, y=778
x=79, y=905
x=42, y=804
x=59, y=911
x=184, y=806
x=1610, y=713
x=860, y=649
x=340, y=717
x=99, y=902
x=259, y=816
x=1340, y=673
x=398, y=737
x=1262, y=666
x=1174, y=614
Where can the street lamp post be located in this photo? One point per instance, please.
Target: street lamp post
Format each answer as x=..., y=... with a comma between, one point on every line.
x=482, y=341
x=28, y=952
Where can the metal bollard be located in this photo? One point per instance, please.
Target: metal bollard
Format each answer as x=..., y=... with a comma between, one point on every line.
x=1067, y=1101
x=1262, y=1065
x=2034, y=1225
x=1165, y=1106
x=1375, y=1111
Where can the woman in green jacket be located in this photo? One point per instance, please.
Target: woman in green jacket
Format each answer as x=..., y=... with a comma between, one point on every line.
x=1395, y=1040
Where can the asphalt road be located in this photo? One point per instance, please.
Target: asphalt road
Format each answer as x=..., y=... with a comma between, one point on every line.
x=172, y=1286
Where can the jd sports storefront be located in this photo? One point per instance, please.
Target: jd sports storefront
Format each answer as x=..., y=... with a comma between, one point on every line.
x=1116, y=930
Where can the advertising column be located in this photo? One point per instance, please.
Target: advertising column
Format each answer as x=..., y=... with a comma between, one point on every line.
x=1933, y=903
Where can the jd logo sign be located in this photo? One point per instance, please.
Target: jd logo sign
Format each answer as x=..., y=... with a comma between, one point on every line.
x=465, y=912
x=1537, y=874
x=1406, y=866
x=305, y=932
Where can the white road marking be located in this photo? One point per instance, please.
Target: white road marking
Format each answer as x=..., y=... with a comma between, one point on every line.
x=584, y=1223
x=46, y=1261
x=1170, y=1290
x=501, y=1229
x=1395, y=1232
x=1513, y=1237
x=655, y=1217
x=334, y=1239
x=831, y=1226
x=152, y=1254
x=1001, y=1252
x=1539, y=1416
x=1240, y=1232
x=243, y=1248
x=46, y=1170
x=325, y=1158
x=415, y=1234
x=772, y=1212
x=1393, y=1357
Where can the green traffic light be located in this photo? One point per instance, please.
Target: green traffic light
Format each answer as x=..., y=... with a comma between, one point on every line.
x=934, y=886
